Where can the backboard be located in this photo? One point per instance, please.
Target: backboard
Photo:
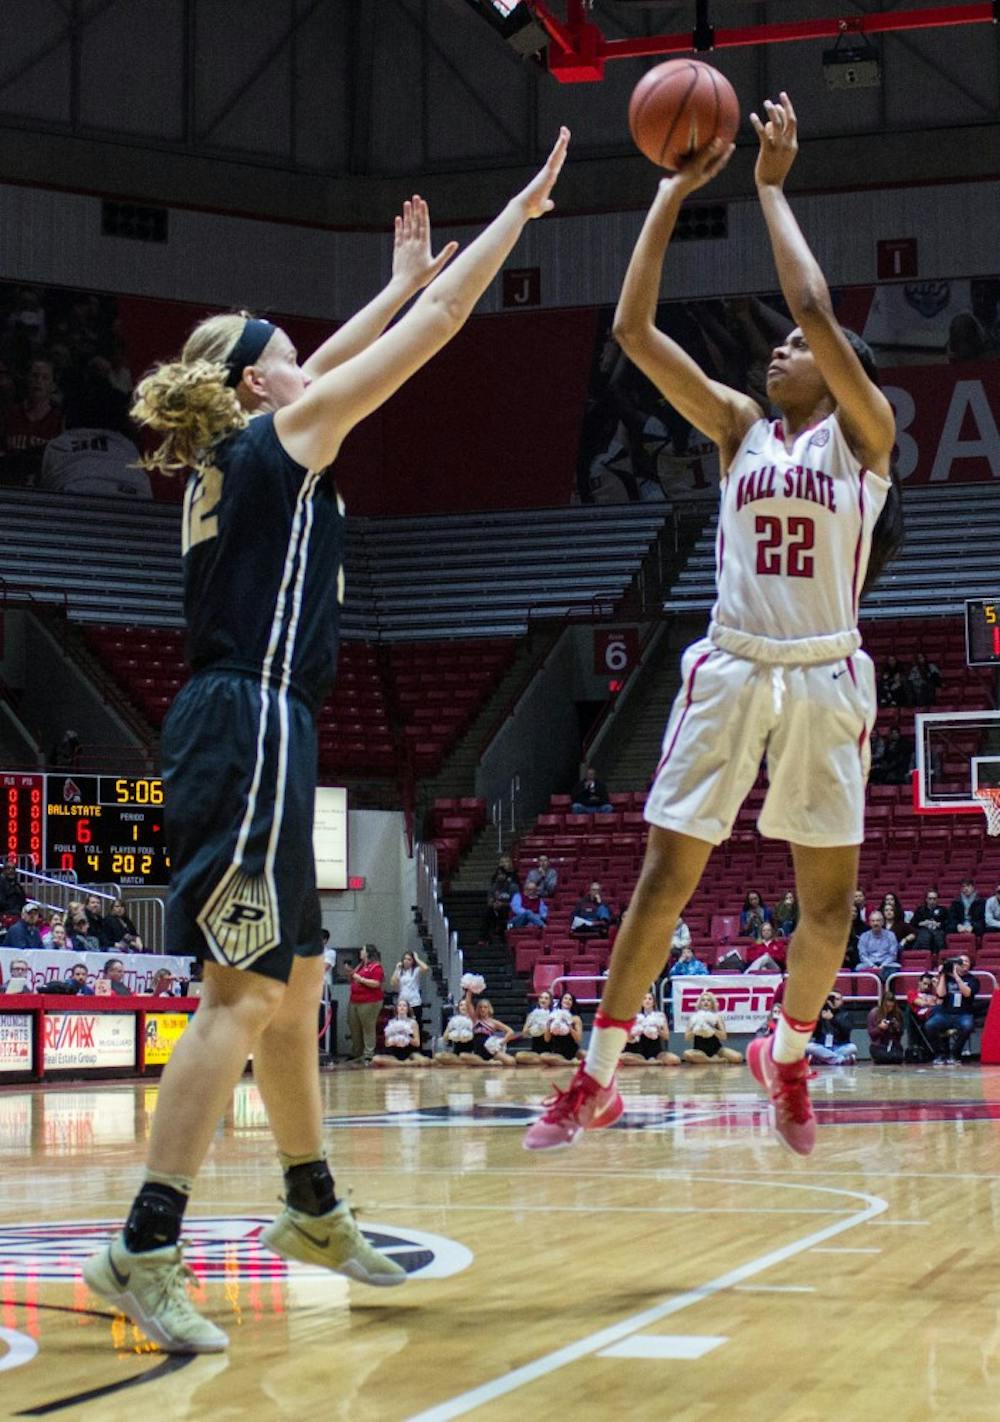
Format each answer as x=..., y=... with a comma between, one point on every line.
x=956, y=754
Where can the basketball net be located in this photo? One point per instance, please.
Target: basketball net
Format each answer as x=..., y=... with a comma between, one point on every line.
x=990, y=801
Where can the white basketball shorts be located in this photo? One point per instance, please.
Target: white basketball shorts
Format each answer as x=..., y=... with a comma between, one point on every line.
x=812, y=723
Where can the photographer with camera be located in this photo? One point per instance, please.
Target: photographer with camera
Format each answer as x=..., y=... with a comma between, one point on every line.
x=951, y=1022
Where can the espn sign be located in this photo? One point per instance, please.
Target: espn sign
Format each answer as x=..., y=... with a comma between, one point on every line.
x=744, y=999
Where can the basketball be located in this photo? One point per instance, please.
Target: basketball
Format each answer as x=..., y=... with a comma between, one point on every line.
x=678, y=108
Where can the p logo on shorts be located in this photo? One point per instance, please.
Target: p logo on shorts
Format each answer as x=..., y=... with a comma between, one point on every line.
x=240, y=920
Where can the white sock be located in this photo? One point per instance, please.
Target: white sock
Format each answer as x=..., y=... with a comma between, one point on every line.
x=791, y=1038
x=607, y=1042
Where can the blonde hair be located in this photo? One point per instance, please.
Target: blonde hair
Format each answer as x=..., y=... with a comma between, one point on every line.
x=711, y=1001
x=189, y=400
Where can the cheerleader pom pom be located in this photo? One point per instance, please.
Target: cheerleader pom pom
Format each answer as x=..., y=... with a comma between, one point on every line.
x=560, y=1023
x=537, y=1021
x=494, y=1045
x=473, y=982
x=459, y=1029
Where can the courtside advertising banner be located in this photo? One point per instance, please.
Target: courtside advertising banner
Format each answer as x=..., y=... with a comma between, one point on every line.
x=84, y=1041
x=163, y=1032
x=744, y=999
x=48, y=965
x=16, y=1042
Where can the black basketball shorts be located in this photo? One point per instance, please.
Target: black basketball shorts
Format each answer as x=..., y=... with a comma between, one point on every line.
x=239, y=779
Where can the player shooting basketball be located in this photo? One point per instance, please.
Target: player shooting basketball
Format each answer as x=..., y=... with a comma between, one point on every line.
x=809, y=515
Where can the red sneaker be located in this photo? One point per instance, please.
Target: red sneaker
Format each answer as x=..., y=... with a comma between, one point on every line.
x=585, y=1105
x=785, y=1084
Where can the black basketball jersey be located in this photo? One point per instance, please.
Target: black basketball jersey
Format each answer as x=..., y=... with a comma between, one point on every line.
x=263, y=555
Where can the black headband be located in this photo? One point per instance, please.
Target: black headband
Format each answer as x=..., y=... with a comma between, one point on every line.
x=248, y=349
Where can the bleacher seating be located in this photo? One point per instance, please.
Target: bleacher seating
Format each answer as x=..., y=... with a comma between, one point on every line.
x=407, y=579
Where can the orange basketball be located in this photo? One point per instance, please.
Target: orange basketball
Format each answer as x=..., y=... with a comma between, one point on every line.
x=678, y=108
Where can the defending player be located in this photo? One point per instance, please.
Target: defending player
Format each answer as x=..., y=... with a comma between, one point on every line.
x=809, y=511
x=263, y=558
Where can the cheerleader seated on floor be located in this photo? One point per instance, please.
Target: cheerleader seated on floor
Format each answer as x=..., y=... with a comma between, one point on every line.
x=563, y=1033
x=490, y=1036
x=648, y=1037
x=534, y=1030
x=402, y=1041
x=458, y=1034
x=706, y=1031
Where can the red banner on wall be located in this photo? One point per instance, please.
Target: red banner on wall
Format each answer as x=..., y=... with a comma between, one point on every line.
x=947, y=421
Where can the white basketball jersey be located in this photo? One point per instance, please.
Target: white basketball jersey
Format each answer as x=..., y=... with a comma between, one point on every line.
x=795, y=531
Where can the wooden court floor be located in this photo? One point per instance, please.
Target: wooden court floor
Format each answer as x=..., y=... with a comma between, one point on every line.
x=679, y=1267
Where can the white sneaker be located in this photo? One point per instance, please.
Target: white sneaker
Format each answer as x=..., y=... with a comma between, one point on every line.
x=151, y=1289
x=333, y=1241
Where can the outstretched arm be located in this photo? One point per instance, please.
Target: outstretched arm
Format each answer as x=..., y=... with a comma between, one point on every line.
x=864, y=410
x=722, y=414
x=314, y=426
x=413, y=267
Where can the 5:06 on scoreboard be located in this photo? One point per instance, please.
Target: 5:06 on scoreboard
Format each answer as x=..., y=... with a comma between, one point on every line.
x=106, y=828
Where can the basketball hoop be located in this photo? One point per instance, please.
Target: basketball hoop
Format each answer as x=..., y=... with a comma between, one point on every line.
x=990, y=801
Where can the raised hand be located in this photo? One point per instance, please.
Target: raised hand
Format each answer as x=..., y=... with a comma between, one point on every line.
x=778, y=142
x=701, y=167
x=412, y=257
x=535, y=198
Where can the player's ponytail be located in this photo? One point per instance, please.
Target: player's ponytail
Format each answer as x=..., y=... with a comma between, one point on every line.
x=190, y=401
x=889, y=532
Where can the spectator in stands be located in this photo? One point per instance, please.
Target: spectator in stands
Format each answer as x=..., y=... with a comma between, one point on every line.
x=20, y=976
x=931, y=919
x=786, y=914
x=406, y=979
x=55, y=938
x=876, y=746
x=648, y=1037
x=893, y=765
x=591, y=914
x=25, y=932
x=119, y=930
x=753, y=914
x=114, y=972
x=991, y=912
x=95, y=919
x=163, y=983
x=97, y=453
x=892, y=684
x=66, y=753
x=82, y=939
x=885, y=1031
x=878, y=950
x=952, y=1021
x=772, y=955
x=968, y=912
x=29, y=426
x=687, y=964
x=365, y=1003
x=544, y=876
x=57, y=919
x=591, y=795
x=921, y=1002
x=706, y=1031
x=831, y=1039
x=502, y=887
x=681, y=938
x=859, y=918
x=896, y=921
x=923, y=681
x=79, y=978
x=12, y=893
x=526, y=908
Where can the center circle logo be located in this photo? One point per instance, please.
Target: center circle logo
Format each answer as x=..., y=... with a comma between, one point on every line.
x=219, y=1248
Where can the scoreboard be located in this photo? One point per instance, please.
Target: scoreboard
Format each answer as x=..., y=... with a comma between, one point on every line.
x=982, y=632
x=105, y=827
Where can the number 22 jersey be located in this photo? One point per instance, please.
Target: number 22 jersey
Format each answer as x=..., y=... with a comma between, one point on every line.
x=792, y=547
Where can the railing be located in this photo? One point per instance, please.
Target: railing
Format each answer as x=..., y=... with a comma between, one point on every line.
x=564, y=984
x=148, y=913
x=912, y=976
x=503, y=811
x=56, y=892
x=446, y=949
x=26, y=865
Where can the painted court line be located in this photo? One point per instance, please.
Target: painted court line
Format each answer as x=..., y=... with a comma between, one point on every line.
x=663, y=1345
x=607, y=1337
x=516, y=1209
x=20, y=1349
x=848, y=1251
x=774, y=1288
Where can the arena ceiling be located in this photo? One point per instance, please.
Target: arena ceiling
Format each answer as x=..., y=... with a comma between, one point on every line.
x=307, y=108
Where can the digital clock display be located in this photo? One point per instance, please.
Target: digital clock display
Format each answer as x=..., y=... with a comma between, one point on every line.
x=106, y=828
x=982, y=632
